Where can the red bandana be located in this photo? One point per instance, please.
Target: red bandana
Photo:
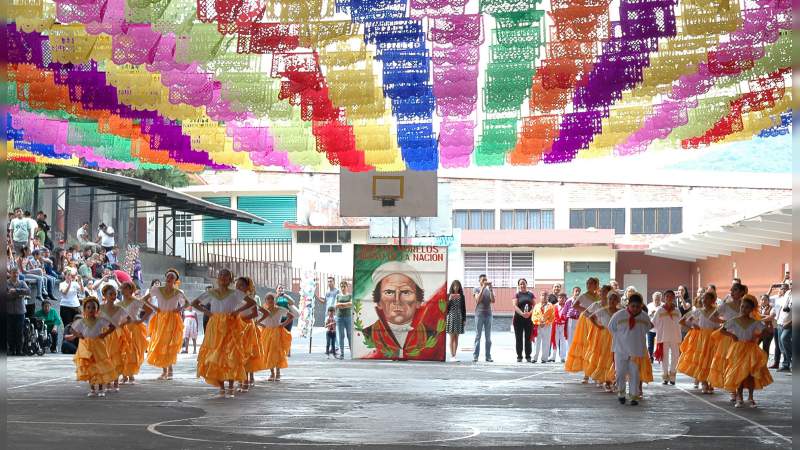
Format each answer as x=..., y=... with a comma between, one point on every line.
x=631, y=318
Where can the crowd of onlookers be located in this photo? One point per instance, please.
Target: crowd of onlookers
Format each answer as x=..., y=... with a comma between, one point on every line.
x=48, y=279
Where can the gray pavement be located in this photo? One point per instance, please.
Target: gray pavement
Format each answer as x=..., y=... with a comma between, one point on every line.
x=326, y=403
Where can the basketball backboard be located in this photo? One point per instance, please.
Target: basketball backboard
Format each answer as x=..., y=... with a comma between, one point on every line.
x=387, y=194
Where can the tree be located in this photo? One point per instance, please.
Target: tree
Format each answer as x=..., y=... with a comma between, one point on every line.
x=170, y=177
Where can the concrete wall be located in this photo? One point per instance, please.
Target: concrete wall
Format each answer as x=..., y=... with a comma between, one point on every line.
x=758, y=269
x=308, y=256
x=662, y=273
x=158, y=264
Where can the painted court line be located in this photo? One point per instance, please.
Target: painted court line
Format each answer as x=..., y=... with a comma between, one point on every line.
x=34, y=384
x=504, y=382
x=750, y=421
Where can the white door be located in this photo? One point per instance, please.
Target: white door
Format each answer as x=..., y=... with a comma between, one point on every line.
x=637, y=280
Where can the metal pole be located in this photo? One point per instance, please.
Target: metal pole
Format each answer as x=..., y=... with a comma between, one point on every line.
x=156, y=227
x=66, y=212
x=91, y=208
x=173, y=232
x=136, y=222
x=35, y=205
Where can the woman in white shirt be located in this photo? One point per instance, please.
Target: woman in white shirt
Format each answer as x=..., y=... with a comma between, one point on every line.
x=70, y=305
x=222, y=356
x=166, y=327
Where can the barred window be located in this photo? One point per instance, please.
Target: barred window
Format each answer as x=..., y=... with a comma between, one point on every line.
x=526, y=219
x=502, y=268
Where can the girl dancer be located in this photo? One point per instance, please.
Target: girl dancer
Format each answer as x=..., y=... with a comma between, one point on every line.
x=591, y=334
x=578, y=343
x=92, y=362
x=222, y=355
x=166, y=327
x=601, y=356
x=117, y=342
x=722, y=342
x=135, y=330
x=697, y=347
x=254, y=361
x=276, y=339
x=746, y=366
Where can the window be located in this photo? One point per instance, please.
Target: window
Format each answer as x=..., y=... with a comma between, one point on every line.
x=586, y=267
x=502, y=268
x=323, y=236
x=325, y=248
x=602, y=218
x=526, y=219
x=183, y=225
x=473, y=219
x=656, y=220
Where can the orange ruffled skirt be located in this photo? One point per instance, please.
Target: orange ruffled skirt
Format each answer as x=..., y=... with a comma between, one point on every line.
x=166, y=339
x=136, y=344
x=222, y=355
x=93, y=363
x=117, y=343
x=720, y=344
x=645, y=367
x=746, y=359
x=253, y=347
x=276, y=343
x=577, y=348
x=600, y=358
x=696, y=354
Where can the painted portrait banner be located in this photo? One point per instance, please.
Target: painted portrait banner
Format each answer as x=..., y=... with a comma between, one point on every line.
x=399, y=302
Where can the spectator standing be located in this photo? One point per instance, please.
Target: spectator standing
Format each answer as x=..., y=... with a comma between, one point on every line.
x=784, y=323
x=484, y=298
x=70, y=289
x=21, y=232
x=683, y=300
x=15, y=311
x=652, y=309
x=456, y=314
x=543, y=318
x=765, y=310
x=776, y=307
x=559, y=340
x=523, y=326
x=41, y=222
x=53, y=324
x=105, y=237
x=32, y=225
x=84, y=239
x=344, y=318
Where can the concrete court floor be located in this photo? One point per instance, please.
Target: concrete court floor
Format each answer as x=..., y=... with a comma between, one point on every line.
x=322, y=403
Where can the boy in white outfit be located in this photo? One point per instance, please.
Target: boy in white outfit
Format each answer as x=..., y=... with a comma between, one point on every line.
x=667, y=321
x=629, y=329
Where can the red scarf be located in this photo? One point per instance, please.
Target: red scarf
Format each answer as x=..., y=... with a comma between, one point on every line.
x=631, y=318
x=669, y=308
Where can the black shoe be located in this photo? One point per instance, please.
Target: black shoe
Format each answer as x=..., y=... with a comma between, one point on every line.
x=528, y=358
x=519, y=358
x=665, y=382
x=672, y=383
x=784, y=369
x=475, y=359
x=532, y=361
x=489, y=360
x=551, y=360
x=634, y=402
x=621, y=400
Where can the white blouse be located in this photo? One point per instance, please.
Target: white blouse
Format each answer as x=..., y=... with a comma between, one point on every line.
x=699, y=318
x=118, y=317
x=226, y=305
x=727, y=312
x=744, y=333
x=133, y=309
x=603, y=316
x=168, y=304
x=274, y=319
x=585, y=300
x=90, y=331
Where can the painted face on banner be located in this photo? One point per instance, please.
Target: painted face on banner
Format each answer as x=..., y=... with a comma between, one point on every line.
x=398, y=299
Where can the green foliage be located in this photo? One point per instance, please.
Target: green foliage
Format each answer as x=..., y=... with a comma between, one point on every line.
x=168, y=177
x=18, y=170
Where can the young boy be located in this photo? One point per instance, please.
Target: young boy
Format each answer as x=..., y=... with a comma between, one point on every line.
x=330, y=325
x=629, y=329
x=667, y=321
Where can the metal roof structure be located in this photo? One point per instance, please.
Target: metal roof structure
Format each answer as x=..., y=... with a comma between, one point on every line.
x=768, y=228
x=146, y=191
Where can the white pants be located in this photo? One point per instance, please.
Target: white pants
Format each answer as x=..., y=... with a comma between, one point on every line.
x=561, y=343
x=627, y=371
x=543, y=343
x=669, y=363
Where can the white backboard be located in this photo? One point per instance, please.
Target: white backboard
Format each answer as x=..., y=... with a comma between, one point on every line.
x=418, y=227
x=388, y=194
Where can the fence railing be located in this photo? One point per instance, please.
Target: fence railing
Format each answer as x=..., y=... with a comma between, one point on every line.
x=218, y=252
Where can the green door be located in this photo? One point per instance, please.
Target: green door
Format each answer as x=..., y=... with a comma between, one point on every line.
x=217, y=229
x=276, y=209
x=576, y=273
